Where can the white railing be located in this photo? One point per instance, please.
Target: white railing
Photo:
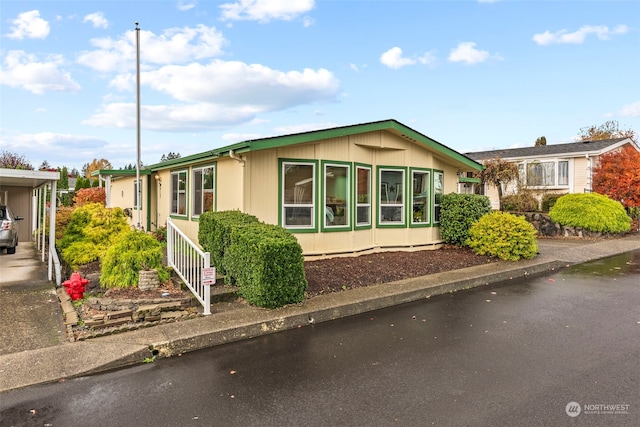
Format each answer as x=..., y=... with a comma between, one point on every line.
x=191, y=264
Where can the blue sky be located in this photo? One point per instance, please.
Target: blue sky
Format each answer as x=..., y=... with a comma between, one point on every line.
x=474, y=75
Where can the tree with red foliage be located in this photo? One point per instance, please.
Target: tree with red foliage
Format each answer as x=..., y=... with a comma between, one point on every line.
x=90, y=195
x=618, y=176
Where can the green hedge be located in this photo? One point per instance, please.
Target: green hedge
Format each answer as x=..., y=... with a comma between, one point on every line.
x=267, y=263
x=131, y=252
x=458, y=213
x=503, y=235
x=214, y=233
x=591, y=211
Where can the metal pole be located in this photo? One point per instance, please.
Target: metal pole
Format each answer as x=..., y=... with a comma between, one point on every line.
x=138, y=186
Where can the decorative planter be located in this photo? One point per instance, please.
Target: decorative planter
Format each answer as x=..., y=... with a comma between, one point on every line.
x=148, y=280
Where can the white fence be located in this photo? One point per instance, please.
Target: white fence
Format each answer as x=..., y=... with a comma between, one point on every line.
x=191, y=264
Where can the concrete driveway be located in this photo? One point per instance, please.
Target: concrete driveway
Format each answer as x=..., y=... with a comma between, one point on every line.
x=30, y=315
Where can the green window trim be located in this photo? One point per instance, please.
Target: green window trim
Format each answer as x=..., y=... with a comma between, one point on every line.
x=391, y=197
x=298, y=193
x=437, y=189
x=199, y=199
x=420, y=197
x=180, y=195
x=362, y=200
x=336, y=189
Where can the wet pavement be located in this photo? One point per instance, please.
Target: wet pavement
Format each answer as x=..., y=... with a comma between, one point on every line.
x=511, y=353
x=30, y=314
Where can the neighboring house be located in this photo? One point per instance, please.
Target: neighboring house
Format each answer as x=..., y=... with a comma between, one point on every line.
x=557, y=168
x=365, y=187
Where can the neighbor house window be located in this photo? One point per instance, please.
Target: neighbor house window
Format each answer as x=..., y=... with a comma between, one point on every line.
x=203, y=190
x=552, y=173
x=179, y=193
x=420, y=184
x=363, y=196
x=298, y=194
x=391, y=196
x=136, y=202
x=337, y=187
x=438, y=191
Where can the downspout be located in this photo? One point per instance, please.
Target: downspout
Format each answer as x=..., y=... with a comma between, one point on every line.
x=237, y=158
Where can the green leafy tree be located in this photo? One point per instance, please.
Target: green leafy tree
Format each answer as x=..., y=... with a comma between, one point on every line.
x=541, y=141
x=10, y=160
x=608, y=130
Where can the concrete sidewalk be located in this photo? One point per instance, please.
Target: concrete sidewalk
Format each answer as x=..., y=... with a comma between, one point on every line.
x=52, y=363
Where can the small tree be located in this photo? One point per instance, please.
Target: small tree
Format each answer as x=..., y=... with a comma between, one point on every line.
x=608, y=130
x=170, y=156
x=95, y=165
x=498, y=172
x=10, y=160
x=541, y=141
x=90, y=195
x=618, y=176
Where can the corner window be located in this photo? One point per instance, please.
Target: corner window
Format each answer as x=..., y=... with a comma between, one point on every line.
x=438, y=191
x=391, y=196
x=179, y=193
x=421, y=183
x=336, y=195
x=203, y=190
x=363, y=196
x=298, y=194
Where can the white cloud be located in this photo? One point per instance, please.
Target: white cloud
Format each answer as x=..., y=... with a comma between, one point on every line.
x=579, y=36
x=29, y=25
x=97, y=19
x=174, y=45
x=466, y=52
x=393, y=58
x=183, y=6
x=27, y=72
x=632, y=110
x=428, y=58
x=266, y=10
x=240, y=85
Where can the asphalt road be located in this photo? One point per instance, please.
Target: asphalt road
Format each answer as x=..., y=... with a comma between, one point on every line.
x=509, y=354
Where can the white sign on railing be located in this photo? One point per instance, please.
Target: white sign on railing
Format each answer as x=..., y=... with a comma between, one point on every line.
x=209, y=276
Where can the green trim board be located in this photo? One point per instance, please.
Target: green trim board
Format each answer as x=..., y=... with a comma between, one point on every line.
x=463, y=179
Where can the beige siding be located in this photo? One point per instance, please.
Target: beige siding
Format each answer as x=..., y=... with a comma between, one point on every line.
x=20, y=201
x=581, y=174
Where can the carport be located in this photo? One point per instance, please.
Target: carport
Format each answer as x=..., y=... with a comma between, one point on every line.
x=26, y=192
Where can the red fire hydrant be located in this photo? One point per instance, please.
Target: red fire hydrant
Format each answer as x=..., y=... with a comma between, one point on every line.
x=75, y=286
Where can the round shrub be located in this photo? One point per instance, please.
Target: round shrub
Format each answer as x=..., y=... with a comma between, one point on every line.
x=458, y=213
x=503, y=235
x=131, y=252
x=591, y=211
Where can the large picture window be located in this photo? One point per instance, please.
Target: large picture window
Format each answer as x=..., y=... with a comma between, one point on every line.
x=203, y=190
x=391, y=196
x=363, y=196
x=179, y=193
x=553, y=173
x=298, y=194
x=337, y=187
x=421, y=182
x=438, y=191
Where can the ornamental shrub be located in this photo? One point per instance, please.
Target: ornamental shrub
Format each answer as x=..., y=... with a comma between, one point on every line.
x=214, y=233
x=267, y=263
x=458, y=212
x=503, y=235
x=548, y=200
x=591, y=211
x=523, y=201
x=91, y=230
x=131, y=252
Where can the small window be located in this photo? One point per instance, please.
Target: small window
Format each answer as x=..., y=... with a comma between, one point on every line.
x=336, y=195
x=563, y=173
x=298, y=194
x=179, y=193
x=391, y=196
x=203, y=190
x=363, y=196
x=438, y=191
x=420, y=197
x=136, y=202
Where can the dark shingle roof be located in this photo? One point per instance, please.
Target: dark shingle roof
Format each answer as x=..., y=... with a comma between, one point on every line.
x=546, y=150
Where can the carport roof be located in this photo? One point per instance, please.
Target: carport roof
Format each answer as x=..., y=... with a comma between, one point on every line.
x=26, y=178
